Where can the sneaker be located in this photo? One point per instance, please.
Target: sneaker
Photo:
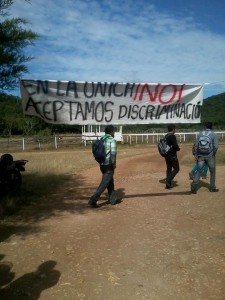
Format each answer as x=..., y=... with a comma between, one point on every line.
x=169, y=185
x=93, y=204
x=116, y=202
x=191, y=175
x=114, y=198
x=193, y=189
x=214, y=190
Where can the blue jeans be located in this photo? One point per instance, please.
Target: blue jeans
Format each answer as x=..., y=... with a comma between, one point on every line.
x=107, y=182
x=204, y=171
x=202, y=161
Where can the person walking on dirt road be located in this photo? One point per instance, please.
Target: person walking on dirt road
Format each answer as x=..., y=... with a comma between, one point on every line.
x=205, y=149
x=172, y=163
x=107, y=168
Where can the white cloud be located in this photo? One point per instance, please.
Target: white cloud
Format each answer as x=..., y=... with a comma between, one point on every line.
x=116, y=41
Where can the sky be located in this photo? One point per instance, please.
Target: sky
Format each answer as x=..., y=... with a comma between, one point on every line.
x=154, y=41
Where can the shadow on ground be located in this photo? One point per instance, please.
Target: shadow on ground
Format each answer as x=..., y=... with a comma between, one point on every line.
x=47, y=197
x=30, y=285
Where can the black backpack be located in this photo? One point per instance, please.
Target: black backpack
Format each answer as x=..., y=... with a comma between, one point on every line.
x=163, y=147
x=98, y=150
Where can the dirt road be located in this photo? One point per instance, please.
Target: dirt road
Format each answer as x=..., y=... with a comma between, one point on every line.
x=157, y=244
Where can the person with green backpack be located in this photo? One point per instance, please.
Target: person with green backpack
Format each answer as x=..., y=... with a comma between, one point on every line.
x=105, y=154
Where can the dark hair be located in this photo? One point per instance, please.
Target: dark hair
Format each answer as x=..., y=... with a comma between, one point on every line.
x=171, y=127
x=6, y=159
x=109, y=129
x=208, y=125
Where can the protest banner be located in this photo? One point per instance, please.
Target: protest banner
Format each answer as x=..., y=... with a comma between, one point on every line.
x=82, y=103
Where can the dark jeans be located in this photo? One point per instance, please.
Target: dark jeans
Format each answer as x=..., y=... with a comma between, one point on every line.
x=173, y=168
x=107, y=182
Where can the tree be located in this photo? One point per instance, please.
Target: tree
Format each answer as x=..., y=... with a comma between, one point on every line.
x=11, y=115
x=13, y=39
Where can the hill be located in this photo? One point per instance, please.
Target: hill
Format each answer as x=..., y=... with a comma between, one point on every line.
x=214, y=110
x=12, y=120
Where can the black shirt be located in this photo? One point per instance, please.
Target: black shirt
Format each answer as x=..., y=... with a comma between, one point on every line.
x=172, y=141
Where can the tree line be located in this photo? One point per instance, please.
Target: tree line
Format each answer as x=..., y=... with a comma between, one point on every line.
x=13, y=121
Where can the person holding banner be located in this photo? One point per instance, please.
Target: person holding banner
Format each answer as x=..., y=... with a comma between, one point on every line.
x=107, y=168
x=172, y=163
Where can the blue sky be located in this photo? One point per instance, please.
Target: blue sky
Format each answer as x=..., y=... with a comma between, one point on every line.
x=151, y=41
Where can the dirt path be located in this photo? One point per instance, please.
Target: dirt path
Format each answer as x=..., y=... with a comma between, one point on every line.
x=157, y=244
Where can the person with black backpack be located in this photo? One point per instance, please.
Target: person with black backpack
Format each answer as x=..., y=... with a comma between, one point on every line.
x=172, y=163
x=205, y=149
x=105, y=153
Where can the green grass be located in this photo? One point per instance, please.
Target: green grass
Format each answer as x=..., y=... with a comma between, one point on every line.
x=220, y=158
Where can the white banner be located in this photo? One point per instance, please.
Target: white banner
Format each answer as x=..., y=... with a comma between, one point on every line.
x=83, y=103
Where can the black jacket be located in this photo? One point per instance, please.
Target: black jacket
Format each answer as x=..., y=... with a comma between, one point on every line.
x=172, y=141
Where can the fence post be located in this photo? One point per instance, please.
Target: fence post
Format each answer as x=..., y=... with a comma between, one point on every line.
x=55, y=138
x=23, y=143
